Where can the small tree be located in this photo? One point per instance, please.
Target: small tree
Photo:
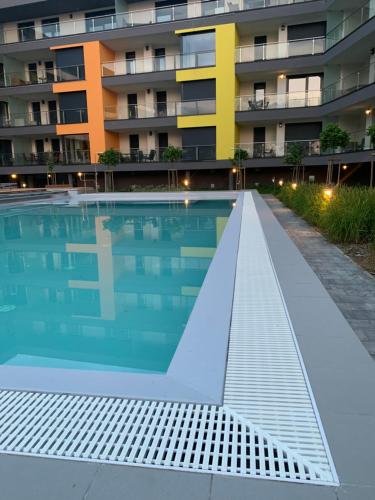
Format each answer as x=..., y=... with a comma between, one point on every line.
x=172, y=153
x=239, y=156
x=294, y=156
x=333, y=137
x=110, y=158
x=371, y=134
x=51, y=175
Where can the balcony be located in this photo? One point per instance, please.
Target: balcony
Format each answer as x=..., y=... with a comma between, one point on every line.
x=65, y=74
x=154, y=64
x=312, y=147
x=136, y=18
x=278, y=101
x=77, y=157
x=189, y=153
x=160, y=110
x=280, y=50
x=350, y=83
x=350, y=23
x=40, y=118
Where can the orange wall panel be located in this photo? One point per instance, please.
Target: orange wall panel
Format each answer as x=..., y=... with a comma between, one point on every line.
x=97, y=99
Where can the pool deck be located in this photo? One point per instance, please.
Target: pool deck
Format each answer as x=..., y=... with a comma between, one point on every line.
x=341, y=374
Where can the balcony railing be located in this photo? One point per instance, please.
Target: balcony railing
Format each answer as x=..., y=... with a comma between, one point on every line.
x=189, y=153
x=76, y=157
x=138, y=18
x=311, y=147
x=42, y=76
x=350, y=23
x=278, y=101
x=163, y=63
x=279, y=50
x=39, y=118
x=350, y=83
x=160, y=110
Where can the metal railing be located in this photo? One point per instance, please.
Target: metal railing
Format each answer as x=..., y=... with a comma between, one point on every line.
x=137, y=18
x=56, y=158
x=162, y=63
x=39, y=118
x=350, y=23
x=279, y=50
x=189, y=153
x=278, y=101
x=15, y=79
x=199, y=107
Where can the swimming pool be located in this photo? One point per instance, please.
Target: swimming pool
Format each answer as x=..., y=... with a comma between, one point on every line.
x=105, y=286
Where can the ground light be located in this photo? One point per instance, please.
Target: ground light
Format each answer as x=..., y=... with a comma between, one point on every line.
x=344, y=167
x=186, y=182
x=13, y=176
x=281, y=182
x=186, y=202
x=24, y=185
x=79, y=174
x=233, y=204
x=328, y=193
x=234, y=170
x=294, y=185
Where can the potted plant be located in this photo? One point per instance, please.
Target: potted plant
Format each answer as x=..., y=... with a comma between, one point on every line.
x=294, y=156
x=333, y=137
x=371, y=134
x=172, y=153
x=110, y=158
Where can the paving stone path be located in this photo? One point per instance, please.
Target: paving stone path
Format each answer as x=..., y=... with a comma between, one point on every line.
x=352, y=288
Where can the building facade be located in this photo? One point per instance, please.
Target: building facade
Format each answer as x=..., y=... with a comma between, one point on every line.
x=208, y=77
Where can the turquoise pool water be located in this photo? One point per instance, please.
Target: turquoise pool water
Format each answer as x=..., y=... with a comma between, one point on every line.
x=104, y=286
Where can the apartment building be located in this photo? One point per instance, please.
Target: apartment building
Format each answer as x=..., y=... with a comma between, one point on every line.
x=208, y=77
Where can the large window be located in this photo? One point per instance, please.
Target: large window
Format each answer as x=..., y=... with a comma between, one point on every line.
x=198, y=49
x=100, y=20
x=26, y=31
x=51, y=27
x=304, y=90
x=170, y=10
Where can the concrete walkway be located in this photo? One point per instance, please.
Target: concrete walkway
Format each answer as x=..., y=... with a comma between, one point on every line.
x=352, y=288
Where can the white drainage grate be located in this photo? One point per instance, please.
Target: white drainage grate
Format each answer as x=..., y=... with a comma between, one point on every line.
x=173, y=435
x=268, y=426
x=266, y=382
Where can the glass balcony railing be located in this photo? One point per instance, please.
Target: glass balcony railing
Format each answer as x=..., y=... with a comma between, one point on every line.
x=349, y=83
x=279, y=50
x=190, y=153
x=311, y=147
x=134, y=111
x=160, y=110
x=76, y=157
x=164, y=63
x=137, y=18
x=278, y=101
x=40, y=118
x=42, y=76
x=350, y=23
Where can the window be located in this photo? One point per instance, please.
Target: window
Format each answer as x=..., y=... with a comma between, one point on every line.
x=260, y=47
x=33, y=72
x=49, y=71
x=132, y=106
x=26, y=31
x=259, y=96
x=159, y=62
x=198, y=49
x=70, y=64
x=134, y=147
x=304, y=90
x=73, y=107
x=209, y=8
x=130, y=63
x=199, y=143
x=100, y=20
x=198, y=97
x=51, y=27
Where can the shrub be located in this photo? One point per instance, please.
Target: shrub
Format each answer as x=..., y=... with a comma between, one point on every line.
x=110, y=158
x=172, y=153
x=349, y=216
x=371, y=134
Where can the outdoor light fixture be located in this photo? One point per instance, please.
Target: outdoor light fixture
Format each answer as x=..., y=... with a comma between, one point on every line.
x=49, y=176
x=186, y=182
x=24, y=185
x=13, y=176
x=282, y=76
x=281, y=182
x=344, y=167
x=234, y=170
x=233, y=204
x=294, y=185
x=368, y=111
x=328, y=193
x=79, y=174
